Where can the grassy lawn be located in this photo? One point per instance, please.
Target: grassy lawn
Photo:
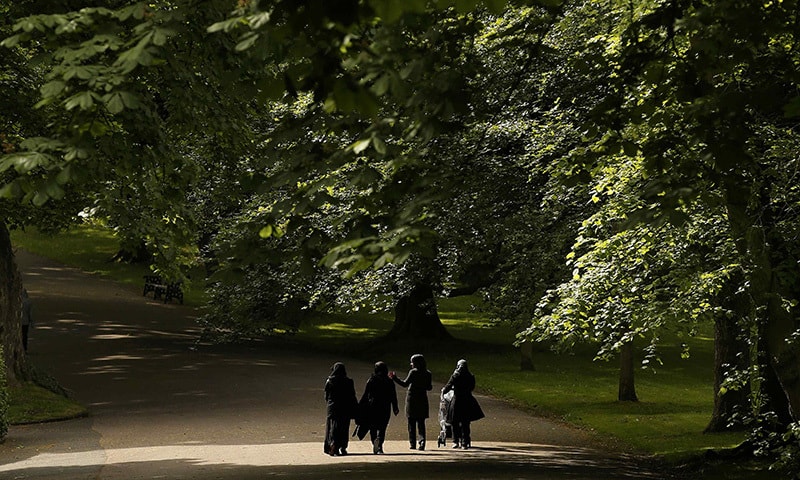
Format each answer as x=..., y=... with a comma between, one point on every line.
x=32, y=404
x=92, y=248
x=675, y=401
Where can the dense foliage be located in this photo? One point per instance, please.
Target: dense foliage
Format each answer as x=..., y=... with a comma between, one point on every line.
x=610, y=172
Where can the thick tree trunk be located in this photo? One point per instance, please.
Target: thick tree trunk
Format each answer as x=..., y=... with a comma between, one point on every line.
x=415, y=316
x=627, y=387
x=773, y=396
x=784, y=356
x=10, y=307
x=766, y=291
x=731, y=353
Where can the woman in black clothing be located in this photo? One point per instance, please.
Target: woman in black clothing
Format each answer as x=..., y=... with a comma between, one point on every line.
x=418, y=382
x=463, y=409
x=378, y=401
x=340, y=396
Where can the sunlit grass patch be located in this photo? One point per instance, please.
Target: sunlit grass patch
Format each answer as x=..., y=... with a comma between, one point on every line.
x=465, y=319
x=32, y=404
x=331, y=331
x=676, y=398
x=341, y=329
x=91, y=248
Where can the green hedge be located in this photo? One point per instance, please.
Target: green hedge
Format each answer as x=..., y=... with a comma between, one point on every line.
x=3, y=398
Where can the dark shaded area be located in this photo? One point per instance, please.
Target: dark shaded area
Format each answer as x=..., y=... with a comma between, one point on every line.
x=534, y=463
x=148, y=384
x=416, y=317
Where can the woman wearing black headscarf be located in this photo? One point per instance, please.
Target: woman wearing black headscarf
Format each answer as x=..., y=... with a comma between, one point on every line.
x=378, y=402
x=340, y=396
x=418, y=382
x=463, y=408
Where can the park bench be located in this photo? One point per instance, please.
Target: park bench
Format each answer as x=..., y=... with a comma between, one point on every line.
x=160, y=288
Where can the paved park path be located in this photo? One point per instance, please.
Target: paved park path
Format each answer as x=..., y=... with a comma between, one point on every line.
x=162, y=406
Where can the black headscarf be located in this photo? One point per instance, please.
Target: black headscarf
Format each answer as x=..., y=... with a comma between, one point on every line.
x=418, y=361
x=338, y=370
x=381, y=370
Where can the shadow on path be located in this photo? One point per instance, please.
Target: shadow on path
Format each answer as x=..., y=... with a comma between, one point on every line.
x=304, y=461
x=163, y=406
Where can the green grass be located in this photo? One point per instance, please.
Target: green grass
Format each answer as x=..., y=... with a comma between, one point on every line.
x=91, y=248
x=31, y=403
x=675, y=400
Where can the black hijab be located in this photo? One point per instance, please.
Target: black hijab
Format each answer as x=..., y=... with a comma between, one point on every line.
x=338, y=370
x=381, y=370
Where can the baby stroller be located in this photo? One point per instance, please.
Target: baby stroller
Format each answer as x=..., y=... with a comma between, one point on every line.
x=446, y=429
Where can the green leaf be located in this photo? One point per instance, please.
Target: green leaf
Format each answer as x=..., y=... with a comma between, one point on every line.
x=52, y=89
x=83, y=100
x=10, y=190
x=247, y=41
x=11, y=41
x=138, y=55
x=383, y=260
x=130, y=100
x=161, y=35
x=40, y=198
x=114, y=103
x=379, y=144
x=258, y=20
x=136, y=11
x=98, y=128
x=24, y=162
x=54, y=190
x=65, y=175
x=361, y=145
x=381, y=86
x=226, y=25
x=265, y=232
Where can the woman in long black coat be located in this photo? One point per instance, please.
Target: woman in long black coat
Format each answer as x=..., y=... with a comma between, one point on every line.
x=418, y=382
x=378, y=402
x=464, y=408
x=340, y=396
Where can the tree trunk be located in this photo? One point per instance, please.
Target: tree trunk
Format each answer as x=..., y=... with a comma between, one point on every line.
x=526, y=361
x=415, y=316
x=783, y=356
x=773, y=397
x=627, y=388
x=731, y=353
x=10, y=307
x=765, y=289
x=133, y=251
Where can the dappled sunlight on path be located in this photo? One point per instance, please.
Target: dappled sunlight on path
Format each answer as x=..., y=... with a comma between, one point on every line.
x=505, y=458
x=162, y=405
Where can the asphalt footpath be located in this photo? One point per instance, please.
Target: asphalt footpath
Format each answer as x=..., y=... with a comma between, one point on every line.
x=163, y=406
